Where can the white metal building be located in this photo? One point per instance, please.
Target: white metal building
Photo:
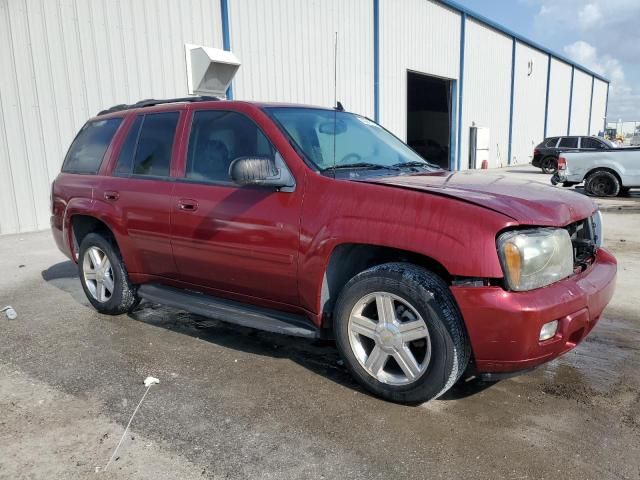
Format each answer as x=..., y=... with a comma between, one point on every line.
x=428, y=70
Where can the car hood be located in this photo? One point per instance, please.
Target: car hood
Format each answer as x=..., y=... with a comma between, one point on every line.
x=527, y=202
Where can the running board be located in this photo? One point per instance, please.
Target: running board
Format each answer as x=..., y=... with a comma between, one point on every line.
x=230, y=311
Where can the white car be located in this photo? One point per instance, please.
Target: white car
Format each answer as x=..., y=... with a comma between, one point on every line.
x=605, y=173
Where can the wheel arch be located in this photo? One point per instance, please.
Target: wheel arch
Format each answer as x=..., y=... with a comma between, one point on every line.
x=81, y=224
x=604, y=169
x=348, y=259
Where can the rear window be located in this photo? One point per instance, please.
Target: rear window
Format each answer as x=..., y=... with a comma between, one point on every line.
x=87, y=150
x=569, y=142
x=551, y=142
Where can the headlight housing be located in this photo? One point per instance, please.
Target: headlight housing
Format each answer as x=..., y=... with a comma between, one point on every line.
x=535, y=258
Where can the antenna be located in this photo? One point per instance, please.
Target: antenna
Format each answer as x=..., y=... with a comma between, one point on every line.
x=335, y=99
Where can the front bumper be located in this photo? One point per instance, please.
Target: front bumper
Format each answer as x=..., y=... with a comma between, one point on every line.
x=504, y=327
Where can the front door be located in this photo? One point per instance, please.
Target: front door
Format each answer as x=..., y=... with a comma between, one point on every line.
x=240, y=240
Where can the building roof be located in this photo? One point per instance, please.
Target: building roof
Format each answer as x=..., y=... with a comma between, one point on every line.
x=493, y=24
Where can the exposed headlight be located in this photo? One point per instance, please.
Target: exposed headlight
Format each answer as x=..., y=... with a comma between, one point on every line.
x=535, y=258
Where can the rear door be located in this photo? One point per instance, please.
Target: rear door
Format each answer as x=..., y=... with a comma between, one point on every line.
x=140, y=190
x=242, y=241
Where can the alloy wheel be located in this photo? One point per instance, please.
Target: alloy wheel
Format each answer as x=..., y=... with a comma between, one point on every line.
x=389, y=338
x=98, y=274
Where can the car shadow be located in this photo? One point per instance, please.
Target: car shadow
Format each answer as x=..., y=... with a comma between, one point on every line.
x=318, y=356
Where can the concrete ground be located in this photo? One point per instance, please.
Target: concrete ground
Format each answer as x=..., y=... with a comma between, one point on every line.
x=235, y=403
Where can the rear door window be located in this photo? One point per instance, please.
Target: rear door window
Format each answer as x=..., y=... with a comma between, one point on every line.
x=569, y=142
x=155, y=143
x=591, y=143
x=87, y=150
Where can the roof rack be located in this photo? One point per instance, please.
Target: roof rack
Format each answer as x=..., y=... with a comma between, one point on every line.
x=152, y=101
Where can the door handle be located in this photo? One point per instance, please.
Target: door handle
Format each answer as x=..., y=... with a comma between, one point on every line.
x=109, y=195
x=187, y=205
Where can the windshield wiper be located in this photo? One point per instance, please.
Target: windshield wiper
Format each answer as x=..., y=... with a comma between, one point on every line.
x=412, y=164
x=363, y=165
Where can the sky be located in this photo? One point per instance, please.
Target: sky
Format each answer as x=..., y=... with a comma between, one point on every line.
x=602, y=35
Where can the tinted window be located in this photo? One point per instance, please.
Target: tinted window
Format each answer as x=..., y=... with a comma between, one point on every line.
x=551, y=142
x=588, y=142
x=217, y=138
x=128, y=150
x=153, y=153
x=87, y=150
x=569, y=142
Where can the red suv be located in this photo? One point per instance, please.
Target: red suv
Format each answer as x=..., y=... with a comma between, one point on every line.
x=319, y=223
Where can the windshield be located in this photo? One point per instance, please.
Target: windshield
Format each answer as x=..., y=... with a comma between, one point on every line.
x=344, y=140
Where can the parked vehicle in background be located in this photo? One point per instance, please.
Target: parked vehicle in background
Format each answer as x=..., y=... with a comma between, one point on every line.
x=604, y=173
x=545, y=155
x=320, y=223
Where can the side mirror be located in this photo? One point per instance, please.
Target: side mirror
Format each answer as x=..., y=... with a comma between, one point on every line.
x=262, y=171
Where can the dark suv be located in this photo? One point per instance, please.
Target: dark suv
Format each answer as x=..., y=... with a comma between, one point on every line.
x=545, y=155
x=319, y=223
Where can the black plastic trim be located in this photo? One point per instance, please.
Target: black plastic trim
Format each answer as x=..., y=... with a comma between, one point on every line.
x=230, y=311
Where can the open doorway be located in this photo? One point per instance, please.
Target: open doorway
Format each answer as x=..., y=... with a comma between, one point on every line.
x=429, y=117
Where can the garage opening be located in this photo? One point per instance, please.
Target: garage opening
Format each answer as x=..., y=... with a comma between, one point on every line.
x=429, y=117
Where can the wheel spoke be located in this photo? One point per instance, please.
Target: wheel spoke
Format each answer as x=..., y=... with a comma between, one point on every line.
x=376, y=360
x=100, y=292
x=90, y=275
x=386, y=310
x=407, y=362
x=363, y=325
x=411, y=331
x=108, y=283
x=105, y=265
x=95, y=258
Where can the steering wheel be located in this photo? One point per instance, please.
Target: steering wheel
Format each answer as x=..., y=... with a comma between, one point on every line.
x=356, y=159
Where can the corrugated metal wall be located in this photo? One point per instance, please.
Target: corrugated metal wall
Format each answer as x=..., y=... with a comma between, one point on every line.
x=487, y=89
x=64, y=60
x=559, y=95
x=422, y=37
x=287, y=51
x=529, y=99
x=598, y=107
x=580, y=103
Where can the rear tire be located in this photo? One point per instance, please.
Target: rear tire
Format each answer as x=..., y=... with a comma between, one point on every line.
x=549, y=165
x=602, y=183
x=103, y=276
x=418, y=349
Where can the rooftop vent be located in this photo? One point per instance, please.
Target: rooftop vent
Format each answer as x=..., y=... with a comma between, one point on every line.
x=209, y=70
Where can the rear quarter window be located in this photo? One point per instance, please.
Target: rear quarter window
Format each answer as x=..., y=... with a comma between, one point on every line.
x=88, y=148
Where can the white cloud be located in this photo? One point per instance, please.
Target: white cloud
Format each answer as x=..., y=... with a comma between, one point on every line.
x=586, y=54
x=589, y=15
x=603, y=36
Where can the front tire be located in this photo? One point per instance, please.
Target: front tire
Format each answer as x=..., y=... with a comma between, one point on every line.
x=103, y=276
x=400, y=333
